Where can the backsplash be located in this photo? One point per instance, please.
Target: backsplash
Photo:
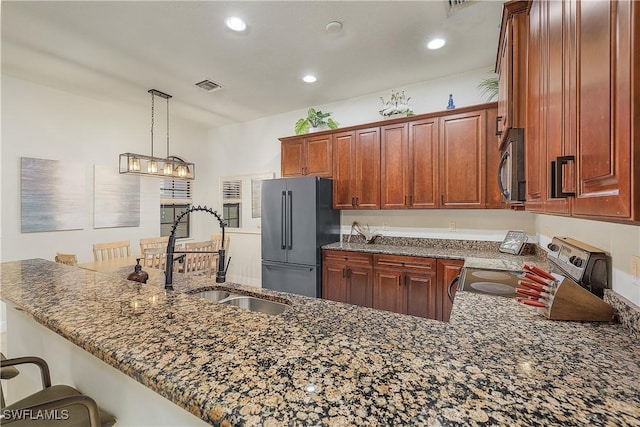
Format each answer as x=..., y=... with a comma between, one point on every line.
x=483, y=245
x=627, y=312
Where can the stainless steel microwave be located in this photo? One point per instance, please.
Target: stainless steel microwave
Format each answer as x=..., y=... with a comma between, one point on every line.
x=511, y=176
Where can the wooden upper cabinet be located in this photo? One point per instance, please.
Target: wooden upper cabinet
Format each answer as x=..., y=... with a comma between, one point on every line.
x=605, y=93
x=309, y=155
x=356, y=169
x=292, y=157
x=463, y=160
x=423, y=165
x=534, y=146
x=511, y=68
x=394, y=184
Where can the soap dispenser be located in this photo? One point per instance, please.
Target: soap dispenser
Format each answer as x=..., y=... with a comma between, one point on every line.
x=138, y=275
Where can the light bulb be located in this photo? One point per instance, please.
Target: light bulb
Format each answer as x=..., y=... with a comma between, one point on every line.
x=152, y=167
x=168, y=169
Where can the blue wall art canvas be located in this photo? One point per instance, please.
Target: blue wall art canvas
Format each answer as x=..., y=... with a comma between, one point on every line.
x=52, y=195
x=116, y=198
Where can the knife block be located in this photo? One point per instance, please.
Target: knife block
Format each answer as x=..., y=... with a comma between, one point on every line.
x=573, y=302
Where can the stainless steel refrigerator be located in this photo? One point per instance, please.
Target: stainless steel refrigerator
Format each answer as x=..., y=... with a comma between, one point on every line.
x=297, y=219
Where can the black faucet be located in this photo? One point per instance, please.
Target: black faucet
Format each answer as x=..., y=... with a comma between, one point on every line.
x=221, y=271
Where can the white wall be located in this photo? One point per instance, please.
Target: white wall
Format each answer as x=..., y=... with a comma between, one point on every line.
x=42, y=122
x=619, y=240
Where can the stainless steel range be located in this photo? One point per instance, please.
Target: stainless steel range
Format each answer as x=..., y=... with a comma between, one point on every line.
x=586, y=265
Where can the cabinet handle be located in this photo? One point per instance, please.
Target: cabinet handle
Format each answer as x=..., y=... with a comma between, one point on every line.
x=344, y=272
x=503, y=161
x=498, y=120
x=441, y=199
x=357, y=201
x=557, y=177
x=353, y=201
x=410, y=200
x=348, y=273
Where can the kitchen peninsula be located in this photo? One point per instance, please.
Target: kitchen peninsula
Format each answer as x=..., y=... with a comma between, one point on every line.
x=496, y=362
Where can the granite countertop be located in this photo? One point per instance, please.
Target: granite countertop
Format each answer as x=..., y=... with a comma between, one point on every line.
x=496, y=363
x=483, y=256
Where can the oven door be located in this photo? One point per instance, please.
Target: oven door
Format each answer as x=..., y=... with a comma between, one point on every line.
x=511, y=174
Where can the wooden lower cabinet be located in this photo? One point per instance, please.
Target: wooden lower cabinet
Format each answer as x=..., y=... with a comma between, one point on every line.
x=401, y=284
x=347, y=277
x=405, y=284
x=448, y=269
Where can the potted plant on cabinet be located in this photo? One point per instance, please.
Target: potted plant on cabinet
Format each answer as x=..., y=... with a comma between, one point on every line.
x=313, y=121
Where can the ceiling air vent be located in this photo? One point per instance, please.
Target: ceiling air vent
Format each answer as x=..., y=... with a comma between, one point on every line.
x=208, y=85
x=455, y=5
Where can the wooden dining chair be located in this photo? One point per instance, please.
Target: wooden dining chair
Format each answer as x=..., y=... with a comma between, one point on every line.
x=199, y=263
x=155, y=258
x=217, y=239
x=68, y=259
x=153, y=242
x=111, y=250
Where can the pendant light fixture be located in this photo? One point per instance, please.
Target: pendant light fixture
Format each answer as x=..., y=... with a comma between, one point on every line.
x=169, y=167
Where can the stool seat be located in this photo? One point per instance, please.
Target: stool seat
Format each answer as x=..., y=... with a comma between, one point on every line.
x=54, y=405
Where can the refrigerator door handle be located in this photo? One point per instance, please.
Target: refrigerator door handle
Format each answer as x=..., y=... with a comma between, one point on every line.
x=290, y=219
x=288, y=266
x=283, y=219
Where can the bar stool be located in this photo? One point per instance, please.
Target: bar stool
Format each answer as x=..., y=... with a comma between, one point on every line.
x=79, y=410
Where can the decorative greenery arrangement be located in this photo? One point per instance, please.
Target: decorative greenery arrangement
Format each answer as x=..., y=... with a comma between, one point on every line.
x=313, y=120
x=397, y=104
x=489, y=88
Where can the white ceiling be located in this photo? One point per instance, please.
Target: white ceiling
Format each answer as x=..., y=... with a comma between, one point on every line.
x=120, y=49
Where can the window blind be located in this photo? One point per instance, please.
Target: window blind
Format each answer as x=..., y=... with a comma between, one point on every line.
x=175, y=192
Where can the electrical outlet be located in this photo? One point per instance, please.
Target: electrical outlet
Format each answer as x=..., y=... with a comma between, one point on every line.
x=635, y=266
x=384, y=227
x=452, y=226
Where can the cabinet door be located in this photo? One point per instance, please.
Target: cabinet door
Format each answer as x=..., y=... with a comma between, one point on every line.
x=423, y=164
x=319, y=156
x=394, y=185
x=535, y=164
x=604, y=120
x=504, y=82
x=388, y=293
x=494, y=195
x=448, y=269
x=367, y=168
x=421, y=294
x=343, y=163
x=360, y=288
x=334, y=282
x=462, y=160
x=292, y=158
x=555, y=108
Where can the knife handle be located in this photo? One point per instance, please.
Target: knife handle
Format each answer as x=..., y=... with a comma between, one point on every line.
x=531, y=285
x=527, y=292
x=539, y=272
x=538, y=279
x=532, y=302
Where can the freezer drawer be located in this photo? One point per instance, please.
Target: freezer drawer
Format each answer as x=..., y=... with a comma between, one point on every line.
x=293, y=278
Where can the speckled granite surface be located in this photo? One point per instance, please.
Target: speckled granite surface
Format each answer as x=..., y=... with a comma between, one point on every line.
x=475, y=255
x=496, y=363
x=627, y=312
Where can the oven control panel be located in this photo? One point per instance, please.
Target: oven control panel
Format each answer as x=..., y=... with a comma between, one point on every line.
x=571, y=256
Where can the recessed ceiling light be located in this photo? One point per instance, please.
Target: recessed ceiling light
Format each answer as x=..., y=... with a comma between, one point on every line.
x=309, y=78
x=235, y=23
x=334, y=27
x=436, y=43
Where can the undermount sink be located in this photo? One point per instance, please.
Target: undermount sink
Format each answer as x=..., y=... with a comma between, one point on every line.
x=256, y=304
x=243, y=301
x=212, y=295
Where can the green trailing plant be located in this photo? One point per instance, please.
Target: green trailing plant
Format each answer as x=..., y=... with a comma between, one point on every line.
x=314, y=119
x=489, y=88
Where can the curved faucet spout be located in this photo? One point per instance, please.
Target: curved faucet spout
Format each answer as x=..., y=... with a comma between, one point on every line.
x=221, y=271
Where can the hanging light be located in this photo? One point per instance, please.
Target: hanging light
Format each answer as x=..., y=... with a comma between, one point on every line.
x=171, y=166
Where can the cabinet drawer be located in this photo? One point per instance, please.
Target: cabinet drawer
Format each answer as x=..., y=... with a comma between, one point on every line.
x=347, y=257
x=404, y=262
